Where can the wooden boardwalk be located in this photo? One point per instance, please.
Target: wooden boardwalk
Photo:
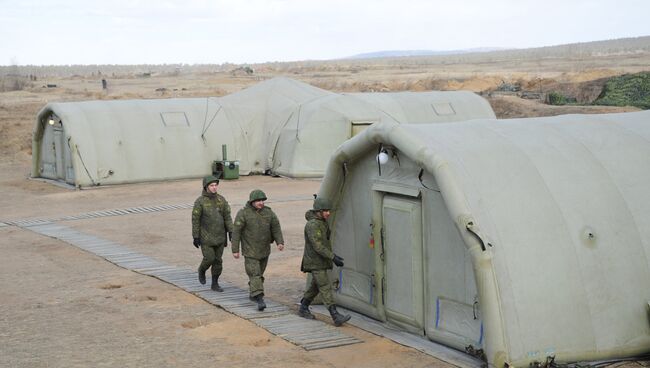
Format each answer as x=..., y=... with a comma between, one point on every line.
x=276, y=318
x=128, y=211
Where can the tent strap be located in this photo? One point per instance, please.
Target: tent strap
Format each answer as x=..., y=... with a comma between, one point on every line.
x=83, y=163
x=422, y=182
x=205, y=129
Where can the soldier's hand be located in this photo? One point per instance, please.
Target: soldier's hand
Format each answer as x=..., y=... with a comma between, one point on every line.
x=236, y=255
x=197, y=242
x=280, y=247
x=337, y=260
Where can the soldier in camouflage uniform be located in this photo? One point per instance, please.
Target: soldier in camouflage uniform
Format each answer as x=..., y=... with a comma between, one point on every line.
x=256, y=227
x=317, y=259
x=211, y=221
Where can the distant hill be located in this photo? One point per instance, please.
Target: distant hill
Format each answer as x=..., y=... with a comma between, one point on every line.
x=619, y=46
x=627, y=51
x=400, y=53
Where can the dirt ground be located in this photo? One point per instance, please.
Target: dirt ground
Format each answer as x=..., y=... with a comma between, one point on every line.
x=63, y=307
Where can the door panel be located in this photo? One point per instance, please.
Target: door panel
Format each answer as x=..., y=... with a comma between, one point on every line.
x=452, y=312
x=403, y=273
x=356, y=285
x=48, y=154
x=58, y=152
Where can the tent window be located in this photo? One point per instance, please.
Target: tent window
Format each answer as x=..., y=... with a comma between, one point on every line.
x=174, y=119
x=359, y=126
x=443, y=108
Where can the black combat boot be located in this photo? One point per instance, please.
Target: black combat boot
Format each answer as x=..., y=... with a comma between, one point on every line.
x=304, y=311
x=337, y=317
x=201, y=276
x=215, y=284
x=260, y=302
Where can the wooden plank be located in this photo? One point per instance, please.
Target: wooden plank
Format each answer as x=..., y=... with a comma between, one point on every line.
x=276, y=318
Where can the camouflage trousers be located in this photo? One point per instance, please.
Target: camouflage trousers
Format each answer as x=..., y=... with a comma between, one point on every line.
x=212, y=258
x=320, y=284
x=255, y=271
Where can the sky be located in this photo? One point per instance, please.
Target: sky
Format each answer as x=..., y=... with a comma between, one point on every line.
x=60, y=32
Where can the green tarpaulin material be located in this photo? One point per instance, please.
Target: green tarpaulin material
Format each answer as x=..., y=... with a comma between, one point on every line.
x=280, y=126
x=526, y=238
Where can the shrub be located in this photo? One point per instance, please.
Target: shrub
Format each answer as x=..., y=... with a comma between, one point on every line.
x=626, y=90
x=556, y=98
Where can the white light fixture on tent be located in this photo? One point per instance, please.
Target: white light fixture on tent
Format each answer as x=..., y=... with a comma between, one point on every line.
x=51, y=121
x=382, y=157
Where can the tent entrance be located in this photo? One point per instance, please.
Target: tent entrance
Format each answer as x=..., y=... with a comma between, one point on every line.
x=55, y=159
x=403, y=270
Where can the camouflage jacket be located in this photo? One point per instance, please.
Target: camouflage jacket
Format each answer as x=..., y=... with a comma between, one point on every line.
x=211, y=219
x=318, y=249
x=256, y=230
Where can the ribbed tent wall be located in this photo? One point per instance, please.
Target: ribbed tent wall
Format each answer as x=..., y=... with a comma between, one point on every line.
x=279, y=126
x=112, y=142
x=314, y=131
x=429, y=107
x=323, y=123
x=554, y=214
x=264, y=110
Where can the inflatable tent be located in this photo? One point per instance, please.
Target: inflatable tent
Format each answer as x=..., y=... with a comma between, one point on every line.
x=279, y=126
x=525, y=239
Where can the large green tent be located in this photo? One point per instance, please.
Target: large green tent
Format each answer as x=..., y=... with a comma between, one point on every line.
x=280, y=126
x=526, y=239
